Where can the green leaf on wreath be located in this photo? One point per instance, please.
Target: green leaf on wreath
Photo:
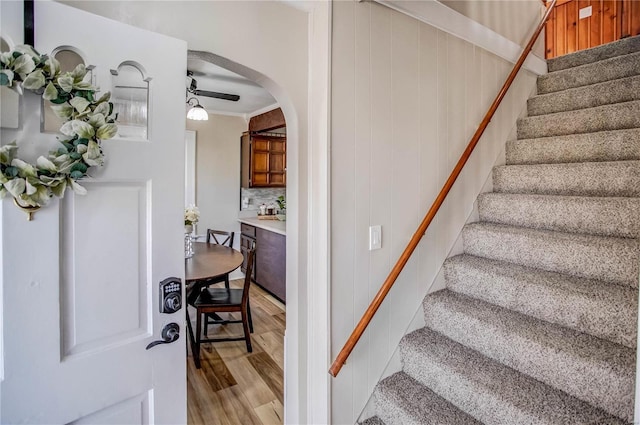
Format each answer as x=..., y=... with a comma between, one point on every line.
x=66, y=82
x=25, y=169
x=45, y=164
x=76, y=174
x=51, y=92
x=79, y=103
x=79, y=72
x=79, y=190
x=64, y=110
x=107, y=131
x=6, y=77
x=102, y=109
x=34, y=81
x=79, y=166
x=97, y=120
x=16, y=187
x=23, y=65
x=11, y=172
x=59, y=188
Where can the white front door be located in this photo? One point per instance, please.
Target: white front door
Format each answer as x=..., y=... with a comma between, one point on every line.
x=81, y=281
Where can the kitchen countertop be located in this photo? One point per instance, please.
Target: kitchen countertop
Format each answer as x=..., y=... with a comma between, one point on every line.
x=275, y=226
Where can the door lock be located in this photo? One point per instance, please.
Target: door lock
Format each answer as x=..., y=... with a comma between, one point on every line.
x=170, y=333
x=170, y=295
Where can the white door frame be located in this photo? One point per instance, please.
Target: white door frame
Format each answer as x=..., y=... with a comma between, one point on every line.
x=318, y=311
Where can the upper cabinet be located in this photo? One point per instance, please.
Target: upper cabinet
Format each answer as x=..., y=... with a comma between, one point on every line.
x=264, y=151
x=264, y=160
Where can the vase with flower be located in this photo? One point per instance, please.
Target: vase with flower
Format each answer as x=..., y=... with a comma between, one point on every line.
x=191, y=217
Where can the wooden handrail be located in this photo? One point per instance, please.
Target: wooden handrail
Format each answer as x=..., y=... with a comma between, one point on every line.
x=413, y=243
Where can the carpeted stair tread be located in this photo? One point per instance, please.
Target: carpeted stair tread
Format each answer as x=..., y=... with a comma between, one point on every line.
x=600, y=118
x=374, y=420
x=606, y=311
x=614, y=145
x=613, y=260
x=401, y=400
x=591, y=369
x=591, y=73
x=604, y=216
x=594, y=54
x=487, y=390
x=605, y=93
x=615, y=179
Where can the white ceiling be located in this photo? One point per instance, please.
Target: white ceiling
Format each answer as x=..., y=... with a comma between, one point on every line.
x=210, y=77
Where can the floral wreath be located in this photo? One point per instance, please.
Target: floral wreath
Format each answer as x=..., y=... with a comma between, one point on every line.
x=87, y=122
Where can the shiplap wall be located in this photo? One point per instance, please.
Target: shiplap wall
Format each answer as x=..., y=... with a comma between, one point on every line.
x=406, y=98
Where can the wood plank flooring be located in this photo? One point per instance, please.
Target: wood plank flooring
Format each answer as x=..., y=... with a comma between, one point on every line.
x=236, y=387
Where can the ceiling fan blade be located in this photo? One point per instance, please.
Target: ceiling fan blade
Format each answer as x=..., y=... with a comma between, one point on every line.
x=224, y=96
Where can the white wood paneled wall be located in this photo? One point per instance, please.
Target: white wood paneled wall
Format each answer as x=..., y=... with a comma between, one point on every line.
x=406, y=99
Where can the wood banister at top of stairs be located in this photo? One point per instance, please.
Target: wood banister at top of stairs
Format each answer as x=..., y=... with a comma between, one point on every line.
x=417, y=236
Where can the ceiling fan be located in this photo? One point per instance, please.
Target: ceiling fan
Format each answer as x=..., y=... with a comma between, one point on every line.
x=193, y=88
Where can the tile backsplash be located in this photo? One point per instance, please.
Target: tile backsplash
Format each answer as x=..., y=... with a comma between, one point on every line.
x=256, y=197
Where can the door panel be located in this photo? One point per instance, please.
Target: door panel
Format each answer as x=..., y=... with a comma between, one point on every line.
x=135, y=410
x=81, y=279
x=89, y=319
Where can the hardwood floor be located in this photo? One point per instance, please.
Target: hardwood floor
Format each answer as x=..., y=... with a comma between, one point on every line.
x=236, y=387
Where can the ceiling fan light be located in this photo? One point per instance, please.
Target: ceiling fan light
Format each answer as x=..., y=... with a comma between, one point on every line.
x=197, y=113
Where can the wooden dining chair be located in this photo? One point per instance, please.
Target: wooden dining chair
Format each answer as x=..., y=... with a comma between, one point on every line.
x=211, y=301
x=220, y=237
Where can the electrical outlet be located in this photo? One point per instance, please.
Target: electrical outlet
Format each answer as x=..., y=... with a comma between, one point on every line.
x=375, y=237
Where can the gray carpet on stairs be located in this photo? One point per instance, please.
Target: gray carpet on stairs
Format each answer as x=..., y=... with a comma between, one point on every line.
x=538, y=324
x=607, y=51
x=605, y=93
x=602, y=216
x=599, y=118
x=604, y=146
x=592, y=73
x=606, y=311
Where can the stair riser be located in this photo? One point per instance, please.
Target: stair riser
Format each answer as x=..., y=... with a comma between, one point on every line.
x=389, y=409
x=615, y=179
x=607, y=70
x=602, y=118
x=610, y=92
x=618, y=48
x=620, y=145
x=491, y=393
x=609, y=259
x=399, y=400
x=609, y=314
x=618, y=217
x=610, y=390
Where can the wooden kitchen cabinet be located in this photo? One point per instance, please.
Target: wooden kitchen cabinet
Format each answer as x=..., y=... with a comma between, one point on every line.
x=270, y=265
x=264, y=160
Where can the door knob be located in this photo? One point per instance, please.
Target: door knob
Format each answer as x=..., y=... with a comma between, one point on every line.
x=170, y=333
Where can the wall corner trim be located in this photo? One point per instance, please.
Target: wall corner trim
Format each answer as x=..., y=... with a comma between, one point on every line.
x=438, y=15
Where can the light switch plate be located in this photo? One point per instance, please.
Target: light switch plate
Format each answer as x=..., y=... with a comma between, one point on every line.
x=375, y=237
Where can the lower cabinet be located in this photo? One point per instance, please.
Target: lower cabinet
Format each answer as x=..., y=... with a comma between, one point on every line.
x=270, y=265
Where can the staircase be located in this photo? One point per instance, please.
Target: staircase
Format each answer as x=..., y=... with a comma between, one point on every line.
x=539, y=319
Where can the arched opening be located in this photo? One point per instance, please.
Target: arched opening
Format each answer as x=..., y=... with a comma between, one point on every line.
x=256, y=376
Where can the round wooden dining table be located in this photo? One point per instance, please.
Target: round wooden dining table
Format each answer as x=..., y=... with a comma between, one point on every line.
x=210, y=260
